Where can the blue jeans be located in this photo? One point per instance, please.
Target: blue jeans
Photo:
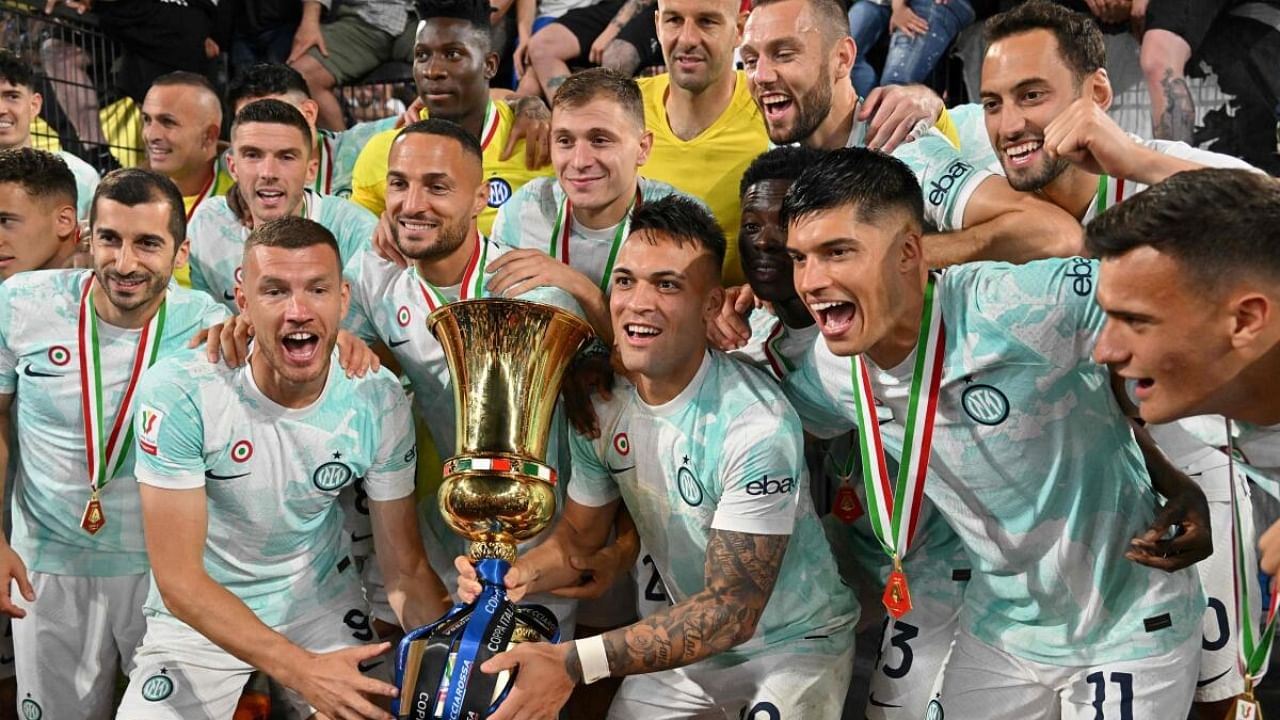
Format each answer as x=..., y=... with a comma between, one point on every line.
x=910, y=60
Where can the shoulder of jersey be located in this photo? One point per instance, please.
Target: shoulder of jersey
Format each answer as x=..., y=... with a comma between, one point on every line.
x=44, y=286
x=656, y=190
x=342, y=208
x=750, y=385
x=77, y=166
x=214, y=210
x=377, y=389
x=188, y=370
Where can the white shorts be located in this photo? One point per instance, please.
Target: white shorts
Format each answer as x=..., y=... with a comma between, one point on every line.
x=179, y=674
x=778, y=686
x=985, y=683
x=913, y=655
x=77, y=634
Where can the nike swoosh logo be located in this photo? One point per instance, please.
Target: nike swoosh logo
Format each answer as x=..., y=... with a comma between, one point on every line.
x=872, y=699
x=397, y=343
x=1202, y=683
x=358, y=538
x=36, y=373
x=364, y=668
x=615, y=470
x=211, y=475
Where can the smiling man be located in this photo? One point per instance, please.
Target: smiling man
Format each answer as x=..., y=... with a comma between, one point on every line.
x=272, y=162
x=1031, y=460
x=568, y=229
x=257, y=573
x=71, y=339
x=38, y=227
x=708, y=457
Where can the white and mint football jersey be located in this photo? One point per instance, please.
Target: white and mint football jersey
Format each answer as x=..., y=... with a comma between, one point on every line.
x=87, y=180
x=936, y=564
x=387, y=305
x=40, y=363
x=345, y=148
x=727, y=453
x=528, y=220
x=273, y=474
x=217, y=240
x=1033, y=466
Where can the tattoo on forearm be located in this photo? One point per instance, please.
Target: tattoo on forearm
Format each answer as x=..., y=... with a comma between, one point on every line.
x=629, y=11
x=554, y=84
x=1178, y=121
x=572, y=665
x=740, y=570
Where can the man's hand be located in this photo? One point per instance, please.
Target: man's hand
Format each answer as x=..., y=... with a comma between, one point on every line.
x=13, y=569
x=590, y=375
x=469, y=582
x=542, y=685
x=1110, y=12
x=307, y=36
x=520, y=58
x=384, y=242
x=411, y=114
x=80, y=6
x=355, y=356
x=332, y=683
x=520, y=271
x=226, y=341
x=601, y=569
x=1178, y=538
x=533, y=125
x=904, y=20
x=596, y=54
x=1086, y=136
x=898, y=112
x=1269, y=550
x=730, y=330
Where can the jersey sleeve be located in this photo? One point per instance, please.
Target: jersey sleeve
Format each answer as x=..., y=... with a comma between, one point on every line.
x=391, y=475
x=947, y=180
x=813, y=400
x=591, y=484
x=169, y=431
x=359, y=319
x=506, y=225
x=8, y=359
x=762, y=468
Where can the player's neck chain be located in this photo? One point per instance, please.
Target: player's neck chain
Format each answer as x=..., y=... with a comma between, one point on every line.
x=558, y=248
x=895, y=508
x=106, y=446
x=472, y=286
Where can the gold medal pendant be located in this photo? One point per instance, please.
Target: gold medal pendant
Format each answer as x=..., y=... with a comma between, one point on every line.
x=93, y=518
x=897, y=594
x=847, y=508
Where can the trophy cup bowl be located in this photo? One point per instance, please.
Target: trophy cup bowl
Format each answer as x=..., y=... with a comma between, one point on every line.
x=507, y=359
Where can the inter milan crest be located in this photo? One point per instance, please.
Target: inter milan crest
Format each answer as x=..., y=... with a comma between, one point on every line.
x=499, y=192
x=332, y=475
x=157, y=687
x=985, y=404
x=935, y=710
x=31, y=709
x=688, y=485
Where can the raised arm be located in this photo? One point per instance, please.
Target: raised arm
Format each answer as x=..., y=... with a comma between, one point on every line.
x=1003, y=224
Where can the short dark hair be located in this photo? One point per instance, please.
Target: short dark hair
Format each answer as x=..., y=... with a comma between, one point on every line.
x=265, y=80
x=474, y=12
x=1080, y=41
x=16, y=71
x=41, y=174
x=449, y=129
x=135, y=186
x=582, y=87
x=681, y=219
x=831, y=15
x=867, y=181
x=187, y=79
x=1216, y=223
x=293, y=233
x=780, y=163
x=274, y=112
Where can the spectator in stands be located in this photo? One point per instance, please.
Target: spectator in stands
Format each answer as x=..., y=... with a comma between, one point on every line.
x=263, y=30
x=181, y=120
x=543, y=58
x=1172, y=31
x=921, y=32
x=630, y=43
x=358, y=36
x=19, y=105
x=38, y=228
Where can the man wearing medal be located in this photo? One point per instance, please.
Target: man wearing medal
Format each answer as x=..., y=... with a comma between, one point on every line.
x=435, y=191
x=1188, y=282
x=915, y=646
x=568, y=229
x=73, y=344
x=707, y=455
x=273, y=164
x=1058, y=622
x=181, y=121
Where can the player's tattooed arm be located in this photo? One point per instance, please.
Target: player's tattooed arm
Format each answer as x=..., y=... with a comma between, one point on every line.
x=740, y=569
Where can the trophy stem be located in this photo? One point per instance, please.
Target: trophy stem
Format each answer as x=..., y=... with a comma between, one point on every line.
x=492, y=550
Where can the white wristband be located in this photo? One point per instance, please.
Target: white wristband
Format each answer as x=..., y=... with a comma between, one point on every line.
x=592, y=657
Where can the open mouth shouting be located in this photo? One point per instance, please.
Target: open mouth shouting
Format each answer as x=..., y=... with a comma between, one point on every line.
x=300, y=347
x=271, y=198
x=640, y=334
x=775, y=105
x=834, y=316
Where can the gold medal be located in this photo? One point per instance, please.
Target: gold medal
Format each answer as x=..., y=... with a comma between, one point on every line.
x=93, y=518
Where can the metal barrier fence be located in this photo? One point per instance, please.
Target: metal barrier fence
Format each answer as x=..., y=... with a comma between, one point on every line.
x=73, y=60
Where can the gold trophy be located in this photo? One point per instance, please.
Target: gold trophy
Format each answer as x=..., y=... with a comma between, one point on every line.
x=507, y=359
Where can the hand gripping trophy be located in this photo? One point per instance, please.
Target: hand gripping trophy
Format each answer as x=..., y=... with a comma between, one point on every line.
x=507, y=359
